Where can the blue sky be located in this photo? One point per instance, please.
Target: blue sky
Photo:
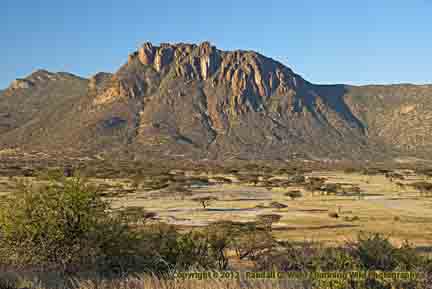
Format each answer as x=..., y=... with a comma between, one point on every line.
x=333, y=41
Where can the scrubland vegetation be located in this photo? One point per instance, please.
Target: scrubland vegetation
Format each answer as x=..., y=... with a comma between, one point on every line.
x=63, y=230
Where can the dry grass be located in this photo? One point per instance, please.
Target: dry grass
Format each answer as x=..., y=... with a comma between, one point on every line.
x=386, y=207
x=150, y=282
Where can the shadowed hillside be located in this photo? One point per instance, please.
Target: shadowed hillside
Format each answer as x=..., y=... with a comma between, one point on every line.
x=196, y=101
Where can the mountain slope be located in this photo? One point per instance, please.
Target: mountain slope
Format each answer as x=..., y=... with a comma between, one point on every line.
x=200, y=102
x=399, y=116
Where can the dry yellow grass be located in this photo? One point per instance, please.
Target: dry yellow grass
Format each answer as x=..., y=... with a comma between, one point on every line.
x=386, y=208
x=152, y=282
x=399, y=213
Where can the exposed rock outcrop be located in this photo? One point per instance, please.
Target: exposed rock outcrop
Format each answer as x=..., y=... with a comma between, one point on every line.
x=146, y=53
x=99, y=80
x=21, y=84
x=198, y=101
x=252, y=77
x=38, y=78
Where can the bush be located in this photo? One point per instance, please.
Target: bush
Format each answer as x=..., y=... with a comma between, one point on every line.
x=172, y=250
x=277, y=205
x=294, y=195
x=351, y=219
x=335, y=259
x=136, y=215
x=369, y=252
x=332, y=188
x=315, y=184
x=205, y=201
x=250, y=242
x=64, y=226
x=198, y=249
x=422, y=187
x=267, y=220
x=376, y=252
x=333, y=215
x=297, y=179
x=289, y=258
x=352, y=170
x=220, y=236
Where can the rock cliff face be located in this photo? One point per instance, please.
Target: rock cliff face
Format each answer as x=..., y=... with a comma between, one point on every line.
x=20, y=84
x=198, y=101
x=245, y=72
x=38, y=78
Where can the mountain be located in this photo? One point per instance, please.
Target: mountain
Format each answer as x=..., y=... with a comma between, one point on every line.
x=197, y=101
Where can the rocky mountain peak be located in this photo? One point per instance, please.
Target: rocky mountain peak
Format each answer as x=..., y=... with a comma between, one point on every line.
x=20, y=84
x=198, y=101
x=246, y=72
x=38, y=77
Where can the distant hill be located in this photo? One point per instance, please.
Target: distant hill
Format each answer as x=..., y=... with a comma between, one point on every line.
x=196, y=101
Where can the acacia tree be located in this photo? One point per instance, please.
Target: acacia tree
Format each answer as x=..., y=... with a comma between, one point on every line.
x=268, y=219
x=424, y=188
x=294, y=194
x=315, y=184
x=220, y=236
x=205, y=201
x=251, y=242
x=137, y=215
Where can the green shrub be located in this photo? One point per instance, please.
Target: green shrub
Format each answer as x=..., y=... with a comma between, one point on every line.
x=63, y=226
x=267, y=220
x=332, y=188
x=66, y=226
x=288, y=258
x=335, y=259
x=277, y=205
x=202, y=249
x=376, y=252
x=423, y=187
x=250, y=242
x=368, y=253
x=172, y=250
x=297, y=179
x=294, y=194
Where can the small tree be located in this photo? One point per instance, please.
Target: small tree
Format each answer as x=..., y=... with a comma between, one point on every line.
x=278, y=205
x=400, y=185
x=137, y=215
x=268, y=220
x=332, y=188
x=294, y=195
x=375, y=252
x=297, y=179
x=205, y=201
x=315, y=184
x=423, y=187
x=220, y=236
x=250, y=242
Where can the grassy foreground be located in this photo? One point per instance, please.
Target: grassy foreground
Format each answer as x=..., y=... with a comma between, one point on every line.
x=65, y=234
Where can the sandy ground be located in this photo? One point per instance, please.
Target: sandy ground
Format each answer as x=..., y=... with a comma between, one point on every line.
x=399, y=213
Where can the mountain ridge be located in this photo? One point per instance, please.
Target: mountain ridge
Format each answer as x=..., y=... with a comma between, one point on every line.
x=201, y=102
